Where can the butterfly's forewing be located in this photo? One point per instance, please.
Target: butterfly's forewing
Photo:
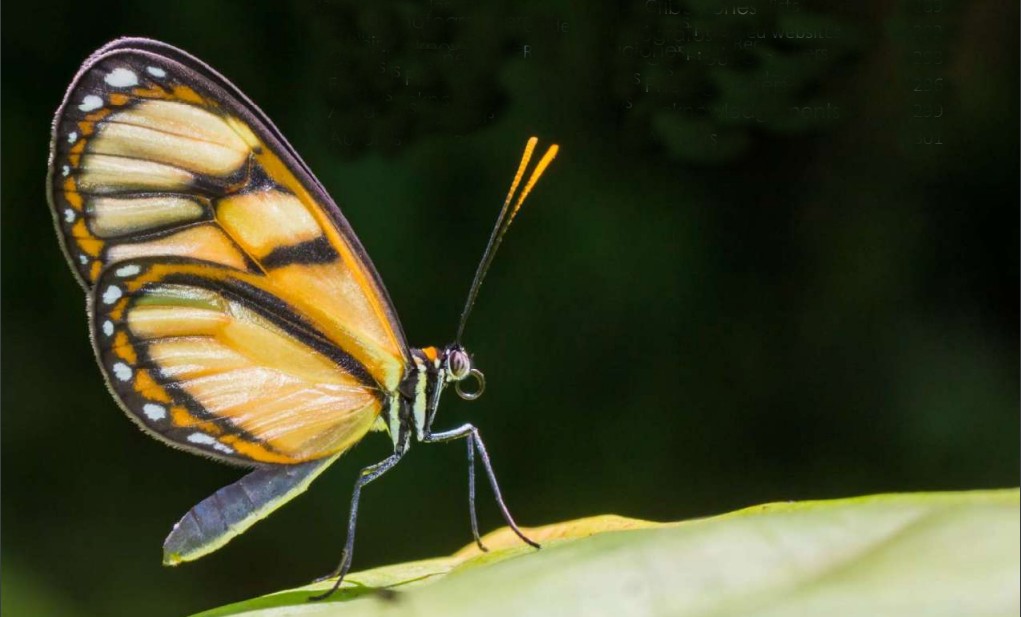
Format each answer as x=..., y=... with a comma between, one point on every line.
x=155, y=154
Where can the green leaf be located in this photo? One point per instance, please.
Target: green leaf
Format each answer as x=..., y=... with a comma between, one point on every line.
x=909, y=554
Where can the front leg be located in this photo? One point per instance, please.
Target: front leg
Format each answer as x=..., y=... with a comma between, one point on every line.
x=470, y=433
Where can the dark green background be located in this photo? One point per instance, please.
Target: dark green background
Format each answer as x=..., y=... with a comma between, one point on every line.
x=763, y=268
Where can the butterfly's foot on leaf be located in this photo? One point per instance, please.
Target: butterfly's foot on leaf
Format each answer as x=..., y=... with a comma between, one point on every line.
x=329, y=592
x=338, y=573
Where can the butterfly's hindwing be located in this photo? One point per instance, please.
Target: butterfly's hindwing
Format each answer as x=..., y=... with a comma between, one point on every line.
x=212, y=359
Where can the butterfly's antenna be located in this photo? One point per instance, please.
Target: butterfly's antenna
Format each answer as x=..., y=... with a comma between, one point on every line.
x=503, y=222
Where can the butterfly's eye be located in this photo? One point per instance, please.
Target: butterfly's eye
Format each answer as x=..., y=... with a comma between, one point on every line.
x=459, y=369
x=459, y=365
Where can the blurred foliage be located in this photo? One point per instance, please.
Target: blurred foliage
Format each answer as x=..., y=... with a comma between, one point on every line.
x=402, y=72
x=698, y=311
x=716, y=76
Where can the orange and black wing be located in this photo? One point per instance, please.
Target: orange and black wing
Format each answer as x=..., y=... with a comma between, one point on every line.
x=214, y=360
x=248, y=322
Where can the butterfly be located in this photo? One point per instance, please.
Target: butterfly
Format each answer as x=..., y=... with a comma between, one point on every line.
x=232, y=309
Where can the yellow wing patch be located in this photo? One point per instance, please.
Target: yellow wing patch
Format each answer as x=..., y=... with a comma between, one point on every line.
x=264, y=221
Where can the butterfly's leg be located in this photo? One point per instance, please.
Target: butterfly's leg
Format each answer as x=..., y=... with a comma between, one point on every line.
x=471, y=495
x=471, y=433
x=367, y=475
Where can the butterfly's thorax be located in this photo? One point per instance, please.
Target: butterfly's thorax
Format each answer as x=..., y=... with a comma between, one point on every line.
x=411, y=408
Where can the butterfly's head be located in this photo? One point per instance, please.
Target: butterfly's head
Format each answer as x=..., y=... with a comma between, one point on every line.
x=457, y=366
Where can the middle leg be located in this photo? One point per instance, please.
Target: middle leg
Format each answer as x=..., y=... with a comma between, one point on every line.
x=471, y=435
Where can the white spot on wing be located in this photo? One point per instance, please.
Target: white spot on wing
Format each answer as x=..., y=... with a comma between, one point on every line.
x=83, y=259
x=201, y=438
x=156, y=71
x=222, y=448
x=112, y=294
x=154, y=412
x=108, y=327
x=91, y=102
x=65, y=170
x=69, y=215
x=131, y=270
x=72, y=137
x=122, y=371
x=121, y=77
